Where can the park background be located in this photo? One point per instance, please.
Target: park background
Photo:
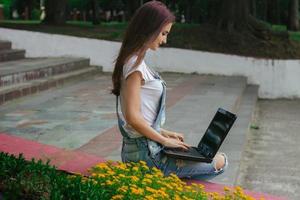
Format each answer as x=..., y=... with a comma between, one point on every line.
x=257, y=39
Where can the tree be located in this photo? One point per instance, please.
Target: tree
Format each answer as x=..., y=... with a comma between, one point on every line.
x=252, y=7
x=273, y=15
x=234, y=16
x=55, y=12
x=96, y=9
x=293, y=16
x=132, y=6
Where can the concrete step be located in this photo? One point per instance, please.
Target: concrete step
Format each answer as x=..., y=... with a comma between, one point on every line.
x=4, y=45
x=8, y=93
x=235, y=141
x=11, y=54
x=20, y=71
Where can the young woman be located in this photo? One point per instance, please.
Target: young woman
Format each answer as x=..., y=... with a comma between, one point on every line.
x=141, y=95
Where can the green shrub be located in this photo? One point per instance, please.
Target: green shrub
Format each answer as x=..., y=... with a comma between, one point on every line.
x=20, y=179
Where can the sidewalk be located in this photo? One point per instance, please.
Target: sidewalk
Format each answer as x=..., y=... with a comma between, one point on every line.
x=271, y=158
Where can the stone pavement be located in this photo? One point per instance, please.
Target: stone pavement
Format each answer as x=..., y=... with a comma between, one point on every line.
x=271, y=159
x=81, y=116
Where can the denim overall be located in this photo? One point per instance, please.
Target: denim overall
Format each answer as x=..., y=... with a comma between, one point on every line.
x=142, y=148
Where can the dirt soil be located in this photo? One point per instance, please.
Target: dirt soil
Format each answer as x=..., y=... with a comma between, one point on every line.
x=207, y=38
x=196, y=37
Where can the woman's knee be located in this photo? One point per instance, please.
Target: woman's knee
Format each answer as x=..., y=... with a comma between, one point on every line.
x=220, y=161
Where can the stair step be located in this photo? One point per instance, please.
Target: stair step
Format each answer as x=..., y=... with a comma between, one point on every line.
x=15, y=91
x=4, y=45
x=235, y=141
x=11, y=54
x=14, y=72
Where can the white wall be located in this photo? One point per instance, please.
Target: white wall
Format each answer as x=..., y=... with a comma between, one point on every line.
x=277, y=78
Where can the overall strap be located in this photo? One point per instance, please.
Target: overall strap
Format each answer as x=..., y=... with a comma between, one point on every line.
x=121, y=123
x=160, y=117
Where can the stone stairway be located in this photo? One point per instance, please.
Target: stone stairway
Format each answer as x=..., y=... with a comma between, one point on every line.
x=20, y=76
x=7, y=53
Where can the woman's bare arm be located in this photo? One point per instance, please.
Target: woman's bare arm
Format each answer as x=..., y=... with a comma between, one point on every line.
x=172, y=134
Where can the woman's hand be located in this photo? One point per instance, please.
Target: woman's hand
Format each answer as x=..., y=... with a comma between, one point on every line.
x=171, y=134
x=175, y=143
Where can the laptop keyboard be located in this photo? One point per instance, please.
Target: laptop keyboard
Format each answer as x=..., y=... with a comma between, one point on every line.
x=191, y=150
x=203, y=150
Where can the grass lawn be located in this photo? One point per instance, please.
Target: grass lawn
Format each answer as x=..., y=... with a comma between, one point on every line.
x=293, y=35
x=188, y=36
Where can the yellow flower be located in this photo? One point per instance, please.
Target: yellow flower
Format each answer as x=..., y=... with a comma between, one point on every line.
x=188, y=188
x=163, y=194
x=177, y=197
x=149, y=189
x=134, y=178
x=135, y=169
x=149, y=176
x=122, y=165
x=128, y=164
x=226, y=189
x=147, y=180
x=121, y=175
x=101, y=165
x=145, y=167
x=238, y=189
x=159, y=174
x=109, y=182
x=111, y=173
x=137, y=191
x=123, y=189
x=143, y=162
x=149, y=198
x=169, y=187
x=179, y=189
x=101, y=175
x=119, y=196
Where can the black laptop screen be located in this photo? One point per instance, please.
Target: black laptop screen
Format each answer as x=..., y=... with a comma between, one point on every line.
x=216, y=132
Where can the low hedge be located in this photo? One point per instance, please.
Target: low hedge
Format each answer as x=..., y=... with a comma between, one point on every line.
x=21, y=179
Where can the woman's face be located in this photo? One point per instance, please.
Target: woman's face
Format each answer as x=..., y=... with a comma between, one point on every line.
x=162, y=37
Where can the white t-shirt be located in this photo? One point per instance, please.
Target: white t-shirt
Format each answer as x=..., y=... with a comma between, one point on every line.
x=150, y=94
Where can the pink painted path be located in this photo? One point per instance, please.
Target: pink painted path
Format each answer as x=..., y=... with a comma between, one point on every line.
x=71, y=161
x=79, y=162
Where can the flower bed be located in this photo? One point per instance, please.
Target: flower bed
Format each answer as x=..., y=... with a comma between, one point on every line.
x=20, y=179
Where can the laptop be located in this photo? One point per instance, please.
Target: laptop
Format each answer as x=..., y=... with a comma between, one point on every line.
x=210, y=142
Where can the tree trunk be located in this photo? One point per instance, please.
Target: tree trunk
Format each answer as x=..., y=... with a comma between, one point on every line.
x=55, y=12
x=95, y=8
x=293, y=21
x=28, y=9
x=132, y=6
x=252, y=7
x=232, y=15
x=264, y=10
x=273, y=15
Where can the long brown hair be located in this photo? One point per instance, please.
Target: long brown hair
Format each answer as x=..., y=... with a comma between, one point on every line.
x=143, y=29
